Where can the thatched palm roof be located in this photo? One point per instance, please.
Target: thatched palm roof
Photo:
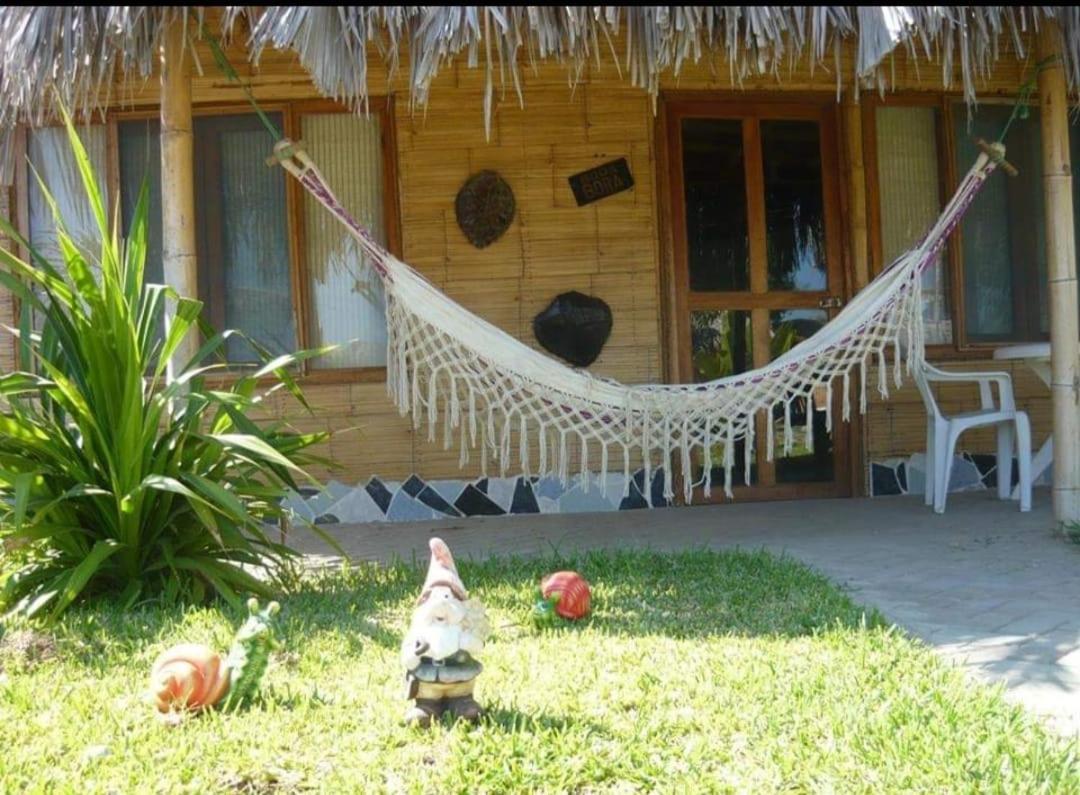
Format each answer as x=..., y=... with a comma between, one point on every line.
x=78, y=50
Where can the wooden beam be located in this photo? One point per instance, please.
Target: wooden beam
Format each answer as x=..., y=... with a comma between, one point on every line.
x=855, y=177
x=858, y=272
x=178, y=180
x=1061, y=270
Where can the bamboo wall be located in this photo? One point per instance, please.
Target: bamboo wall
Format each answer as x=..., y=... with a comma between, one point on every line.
x=611, y=249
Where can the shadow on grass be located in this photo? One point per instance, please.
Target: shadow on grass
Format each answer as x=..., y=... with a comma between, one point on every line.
x=634, y=593
x=513, y=720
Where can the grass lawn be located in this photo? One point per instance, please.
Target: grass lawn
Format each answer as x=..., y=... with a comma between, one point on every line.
x=697, y=672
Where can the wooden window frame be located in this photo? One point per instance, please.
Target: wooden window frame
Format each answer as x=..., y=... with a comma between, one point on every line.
x=961, y=348
x=291, y=112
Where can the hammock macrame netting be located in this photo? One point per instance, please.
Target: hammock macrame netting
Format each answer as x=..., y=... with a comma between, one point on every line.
x=489, y=390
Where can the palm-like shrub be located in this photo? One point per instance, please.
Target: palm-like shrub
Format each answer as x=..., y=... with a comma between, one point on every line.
x=114, y=476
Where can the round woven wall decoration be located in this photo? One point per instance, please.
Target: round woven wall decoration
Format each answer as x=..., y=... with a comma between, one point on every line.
x=484, y=208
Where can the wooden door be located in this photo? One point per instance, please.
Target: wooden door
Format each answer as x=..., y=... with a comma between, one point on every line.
x=757, y=265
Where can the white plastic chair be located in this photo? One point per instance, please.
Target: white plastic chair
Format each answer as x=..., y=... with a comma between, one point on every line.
x=942, y=433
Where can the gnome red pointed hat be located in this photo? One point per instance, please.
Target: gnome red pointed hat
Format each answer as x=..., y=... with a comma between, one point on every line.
x=442, y=571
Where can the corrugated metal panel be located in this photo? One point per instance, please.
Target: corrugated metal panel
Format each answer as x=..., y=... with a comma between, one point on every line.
x=346, y=296
x=909, y=191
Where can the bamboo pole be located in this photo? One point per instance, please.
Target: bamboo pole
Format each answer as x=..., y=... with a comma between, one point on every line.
x=1061, y=269
x=177, y=180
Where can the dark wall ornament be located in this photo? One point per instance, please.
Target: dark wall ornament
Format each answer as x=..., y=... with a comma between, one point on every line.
x=484, y=208
x=574, y=327
x=600, y=182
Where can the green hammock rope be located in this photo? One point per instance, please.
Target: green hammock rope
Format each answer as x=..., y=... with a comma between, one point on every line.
x=226, y=67
x=1020, y=109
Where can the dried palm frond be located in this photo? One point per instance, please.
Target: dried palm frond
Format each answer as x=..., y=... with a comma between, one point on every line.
x=79, y=51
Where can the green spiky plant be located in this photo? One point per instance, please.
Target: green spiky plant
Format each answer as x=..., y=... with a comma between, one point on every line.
x=116, y=478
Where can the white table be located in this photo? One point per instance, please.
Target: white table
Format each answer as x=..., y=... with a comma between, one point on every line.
x=1035, y=355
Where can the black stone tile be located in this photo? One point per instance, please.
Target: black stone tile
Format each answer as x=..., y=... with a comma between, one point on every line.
x=656, y=489
x=883, y=481
x=658, y=499
x=307, y=492
x=987, y=466
x=413, y=486
x=633, y=500
x=482, y=485
x=327, y=518
x=433, y=499
x=379, y=493
x=901, y=476
x=524, y=500
x=474, y=502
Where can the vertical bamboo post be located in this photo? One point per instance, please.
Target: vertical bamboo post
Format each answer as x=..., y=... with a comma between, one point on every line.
x=177, y=180
x=1061, y=269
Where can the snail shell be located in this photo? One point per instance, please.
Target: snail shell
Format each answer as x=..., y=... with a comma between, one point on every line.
x=188, y=677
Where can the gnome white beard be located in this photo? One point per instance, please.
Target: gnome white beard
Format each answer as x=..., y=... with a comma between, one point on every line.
x=442, y=626
x=443, y=641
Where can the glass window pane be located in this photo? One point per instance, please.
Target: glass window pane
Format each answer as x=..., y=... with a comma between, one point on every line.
x=347, y=305
x=1002, y=234
x=714, y=181
x=52, y=160
x=909, y=194
x=794, y=205
x=244, y=264
x=722, y=345
x=805, y=463
x=140, y=158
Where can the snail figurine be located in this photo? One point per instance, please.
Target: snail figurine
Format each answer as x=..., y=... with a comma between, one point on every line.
x=564, y=594
x=193, y=677
x=448, y=629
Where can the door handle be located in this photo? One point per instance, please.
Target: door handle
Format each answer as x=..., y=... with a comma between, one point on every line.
x=831, y=302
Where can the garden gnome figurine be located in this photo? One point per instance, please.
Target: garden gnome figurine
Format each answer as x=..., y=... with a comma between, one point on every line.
x=448, y=629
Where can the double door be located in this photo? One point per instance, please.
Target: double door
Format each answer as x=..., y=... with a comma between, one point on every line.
x=757, y=266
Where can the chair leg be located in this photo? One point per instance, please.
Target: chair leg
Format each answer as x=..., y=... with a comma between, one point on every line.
x=931, y=437
x=943, y=469
x=1023, y=454
x=1004, y=459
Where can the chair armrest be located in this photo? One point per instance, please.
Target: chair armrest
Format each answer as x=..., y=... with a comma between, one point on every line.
x=984, y=380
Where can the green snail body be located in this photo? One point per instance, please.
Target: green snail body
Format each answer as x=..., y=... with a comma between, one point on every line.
x=250, y=653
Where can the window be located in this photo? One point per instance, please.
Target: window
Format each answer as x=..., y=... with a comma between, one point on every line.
x=272, y=262
x=909, y=182
x=52, y=162
x=1002, y=243
x=990, y=286
x=346, y=296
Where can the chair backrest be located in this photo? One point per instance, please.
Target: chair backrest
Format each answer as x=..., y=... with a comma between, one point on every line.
x=926, y=391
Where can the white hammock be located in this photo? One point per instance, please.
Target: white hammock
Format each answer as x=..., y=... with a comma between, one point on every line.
x=493, y=390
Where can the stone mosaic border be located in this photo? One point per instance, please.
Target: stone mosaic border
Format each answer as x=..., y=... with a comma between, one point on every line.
x=970, y=472
x=417, y=500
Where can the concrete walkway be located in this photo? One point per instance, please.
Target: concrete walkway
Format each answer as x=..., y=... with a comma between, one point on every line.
x=991, y=588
